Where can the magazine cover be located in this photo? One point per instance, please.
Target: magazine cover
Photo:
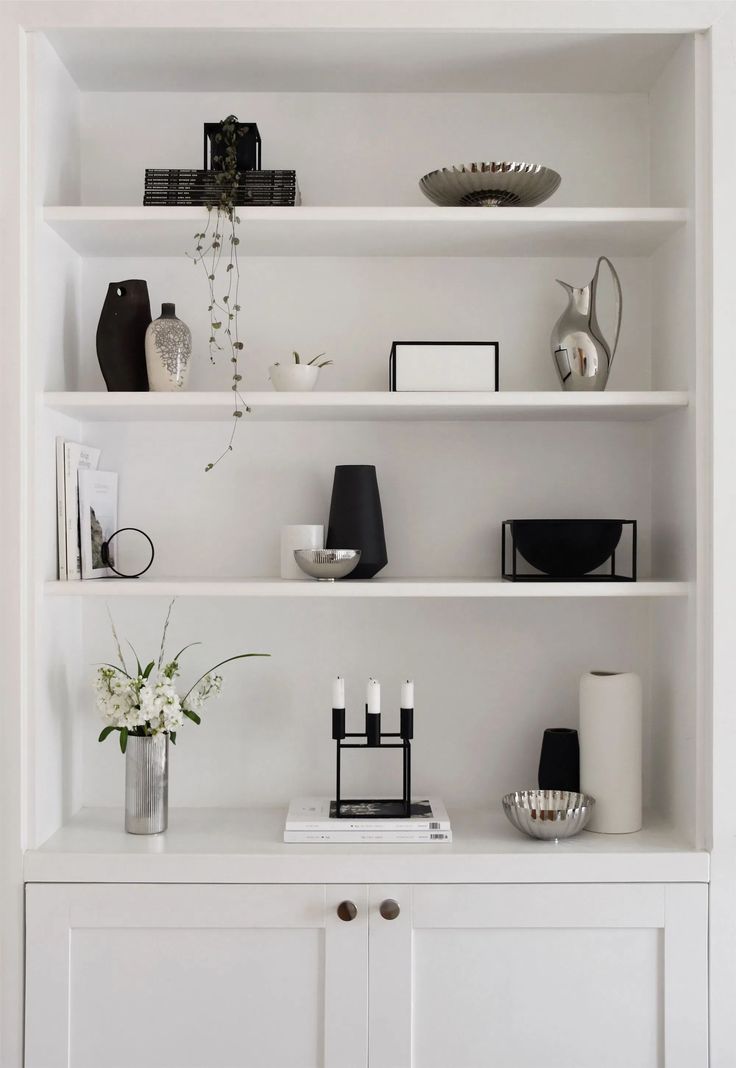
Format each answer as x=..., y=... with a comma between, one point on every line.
x=60, y=510
x=76, y=457
x=98, y=519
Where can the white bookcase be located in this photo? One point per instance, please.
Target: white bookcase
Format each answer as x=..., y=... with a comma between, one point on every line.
x=628, y=102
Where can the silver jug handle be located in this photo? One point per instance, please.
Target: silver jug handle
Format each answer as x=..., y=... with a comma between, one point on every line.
x=619, y=297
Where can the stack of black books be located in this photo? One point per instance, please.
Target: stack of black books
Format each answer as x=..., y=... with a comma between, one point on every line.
x=188, y=188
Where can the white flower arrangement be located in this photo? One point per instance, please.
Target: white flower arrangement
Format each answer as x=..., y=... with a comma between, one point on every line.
x=146, y=702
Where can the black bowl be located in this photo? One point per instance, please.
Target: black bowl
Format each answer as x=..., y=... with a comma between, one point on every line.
x=566, y=548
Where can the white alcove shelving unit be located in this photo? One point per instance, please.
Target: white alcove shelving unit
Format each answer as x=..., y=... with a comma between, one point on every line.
x=365, y=260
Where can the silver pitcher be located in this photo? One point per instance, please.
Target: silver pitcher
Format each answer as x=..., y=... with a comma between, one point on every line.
x=582, y=355
x=147, y=784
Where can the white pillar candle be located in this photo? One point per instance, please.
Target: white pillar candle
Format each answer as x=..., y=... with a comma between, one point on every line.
x=301, y=536
x=610, y=750
x=373, y=696
x=338, y=692
x=407, y=694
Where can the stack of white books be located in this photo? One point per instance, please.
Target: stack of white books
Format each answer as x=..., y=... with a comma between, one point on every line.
x=313, y=819
x=86, y=511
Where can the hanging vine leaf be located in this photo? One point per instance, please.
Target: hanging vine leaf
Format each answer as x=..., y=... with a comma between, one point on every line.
x=207, y=253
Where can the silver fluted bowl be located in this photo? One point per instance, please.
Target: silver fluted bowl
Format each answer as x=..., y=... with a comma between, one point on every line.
x=327, y=564
x=548, y=814
x=490, y=185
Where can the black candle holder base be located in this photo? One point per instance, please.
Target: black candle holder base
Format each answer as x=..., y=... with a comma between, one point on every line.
x=378, y=809
x=374, y=738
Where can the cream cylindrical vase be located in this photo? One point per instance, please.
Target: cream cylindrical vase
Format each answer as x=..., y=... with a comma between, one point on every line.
x=610, y=749
x=301, y=536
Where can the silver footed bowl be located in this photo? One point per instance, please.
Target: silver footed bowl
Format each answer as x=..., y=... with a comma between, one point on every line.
x=327, y=564
x=490, y=185
x=548, y=814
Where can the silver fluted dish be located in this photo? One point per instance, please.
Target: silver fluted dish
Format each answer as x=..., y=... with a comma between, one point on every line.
x=490, y=185
x=548, y=814
x=327, y=564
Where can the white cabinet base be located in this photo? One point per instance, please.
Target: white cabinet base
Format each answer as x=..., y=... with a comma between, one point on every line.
x=195, y=977
x=524, y=976
x=214, y=976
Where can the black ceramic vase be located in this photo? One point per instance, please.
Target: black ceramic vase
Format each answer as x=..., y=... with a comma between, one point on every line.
x=356, y=521
x=559, y=761
x=121, y=336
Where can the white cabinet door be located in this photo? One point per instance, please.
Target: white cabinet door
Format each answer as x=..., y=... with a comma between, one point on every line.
x=142, y=976
x=521, y=976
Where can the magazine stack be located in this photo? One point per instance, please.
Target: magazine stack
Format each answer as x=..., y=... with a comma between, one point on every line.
x=313, y=820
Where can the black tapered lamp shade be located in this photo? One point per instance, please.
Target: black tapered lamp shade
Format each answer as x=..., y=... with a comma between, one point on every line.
x=559, y=761
x=356, y=520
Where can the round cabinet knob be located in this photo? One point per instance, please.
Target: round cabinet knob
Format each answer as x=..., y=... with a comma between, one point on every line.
x=389, y=909
x=347, y=911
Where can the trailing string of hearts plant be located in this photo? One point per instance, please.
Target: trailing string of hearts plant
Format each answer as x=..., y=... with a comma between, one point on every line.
x=215, y=248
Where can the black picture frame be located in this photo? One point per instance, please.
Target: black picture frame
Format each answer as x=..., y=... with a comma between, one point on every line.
x=248, y=147
x=494, y=353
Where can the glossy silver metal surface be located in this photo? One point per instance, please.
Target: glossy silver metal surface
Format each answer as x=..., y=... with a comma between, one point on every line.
x=548, y=814
x=581, y=353
x=490, y=185
x=147, y=784
x=327, y=564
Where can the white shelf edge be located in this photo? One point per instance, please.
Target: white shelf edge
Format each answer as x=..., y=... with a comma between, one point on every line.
x=373, y=231
x=368, y=405
x=377, y=587
x=326, y=213
x=245, y=845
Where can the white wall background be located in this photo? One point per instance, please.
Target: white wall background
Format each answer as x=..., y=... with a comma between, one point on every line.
x=354, y=308
x=372, y=148
x=445, y=487
x=489, y=678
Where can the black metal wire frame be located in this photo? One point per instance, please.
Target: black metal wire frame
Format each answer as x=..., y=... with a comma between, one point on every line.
x=507, y=528
x=105, y=553
x=373, y=738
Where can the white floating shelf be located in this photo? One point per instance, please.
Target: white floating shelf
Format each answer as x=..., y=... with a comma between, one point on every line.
x=377, y=587
x=226, y=845
x=270, y=406
x=375, y=231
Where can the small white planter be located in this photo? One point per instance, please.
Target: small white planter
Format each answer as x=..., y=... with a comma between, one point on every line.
x=294, y=376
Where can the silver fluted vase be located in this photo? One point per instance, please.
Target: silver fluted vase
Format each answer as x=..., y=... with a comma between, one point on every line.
x=147, y=784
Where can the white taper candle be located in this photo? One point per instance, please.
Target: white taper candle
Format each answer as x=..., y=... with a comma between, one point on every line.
x=407, y=694
x=338, y=692
x=373, y=696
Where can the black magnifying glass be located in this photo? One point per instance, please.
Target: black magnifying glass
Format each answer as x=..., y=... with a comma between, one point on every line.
x=132, y=554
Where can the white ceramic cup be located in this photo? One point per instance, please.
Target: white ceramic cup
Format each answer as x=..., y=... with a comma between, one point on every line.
x=301, y=536
x=294, y=377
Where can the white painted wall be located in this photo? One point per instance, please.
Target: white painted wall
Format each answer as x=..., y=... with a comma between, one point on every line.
x=354, y=308
x=679, y=348
x=489, y=678
x=53, y=342
x=445, y=487
x=372, y=148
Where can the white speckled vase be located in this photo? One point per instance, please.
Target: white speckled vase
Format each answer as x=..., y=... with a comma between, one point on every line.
x=168, y=351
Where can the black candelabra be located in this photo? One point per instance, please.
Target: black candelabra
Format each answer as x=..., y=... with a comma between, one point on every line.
x=373, y=738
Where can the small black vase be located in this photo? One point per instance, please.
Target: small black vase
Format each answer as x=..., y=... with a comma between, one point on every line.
x=559, y=761
x=121, y=336
x=356, y=521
